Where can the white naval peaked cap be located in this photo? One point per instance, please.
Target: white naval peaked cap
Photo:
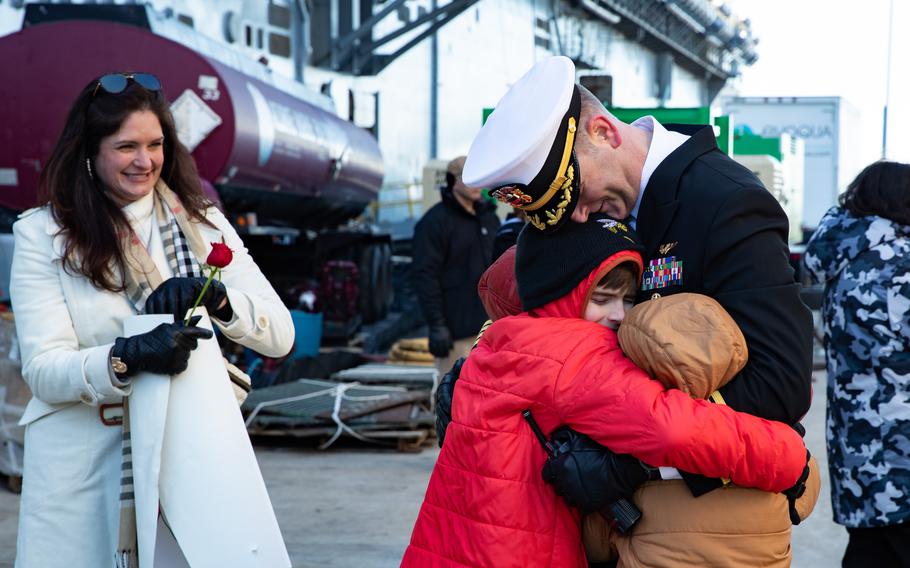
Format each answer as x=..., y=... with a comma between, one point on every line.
x=514, y=142
x=525, y=149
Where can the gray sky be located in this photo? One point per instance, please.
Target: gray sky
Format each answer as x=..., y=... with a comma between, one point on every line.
x=835, y=48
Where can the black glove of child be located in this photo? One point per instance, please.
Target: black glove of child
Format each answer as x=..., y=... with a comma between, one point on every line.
x=589, y=476
x=797, y=491
x=165, y=349
x=177, y=295
x=444, y=396
x=440, y=341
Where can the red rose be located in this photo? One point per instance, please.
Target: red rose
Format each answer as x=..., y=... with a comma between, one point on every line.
x=220, y=256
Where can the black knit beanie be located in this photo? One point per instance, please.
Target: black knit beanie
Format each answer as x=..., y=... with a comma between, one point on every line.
x=550, y=265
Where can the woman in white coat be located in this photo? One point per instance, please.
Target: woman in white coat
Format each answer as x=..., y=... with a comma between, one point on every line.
x=122, y=229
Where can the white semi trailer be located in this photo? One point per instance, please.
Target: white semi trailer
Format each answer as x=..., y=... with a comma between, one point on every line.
x=829, y=126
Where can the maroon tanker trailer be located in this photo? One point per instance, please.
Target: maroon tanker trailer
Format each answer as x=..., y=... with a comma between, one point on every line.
x=287, y=171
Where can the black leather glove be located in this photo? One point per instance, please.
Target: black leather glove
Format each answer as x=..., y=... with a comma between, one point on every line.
x=589, y=476
x=177, y=295
x=440, y=341
x=444, y=396
x=165, y=349
x=797, y=490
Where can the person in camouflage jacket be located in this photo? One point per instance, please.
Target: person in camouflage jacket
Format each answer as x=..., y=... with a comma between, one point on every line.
x=861, y=252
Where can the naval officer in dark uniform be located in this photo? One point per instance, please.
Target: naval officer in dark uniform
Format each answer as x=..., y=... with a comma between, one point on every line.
x=551, y=149
x=709, y=225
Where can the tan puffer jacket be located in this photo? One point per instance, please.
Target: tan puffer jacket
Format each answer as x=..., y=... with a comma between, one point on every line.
x=689, y=342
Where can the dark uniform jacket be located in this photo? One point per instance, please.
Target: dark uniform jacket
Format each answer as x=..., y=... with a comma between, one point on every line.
x=709, y=226
x=452, y=248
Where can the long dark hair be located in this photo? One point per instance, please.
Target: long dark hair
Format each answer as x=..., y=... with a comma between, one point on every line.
x=883, y=189
x=89, y=219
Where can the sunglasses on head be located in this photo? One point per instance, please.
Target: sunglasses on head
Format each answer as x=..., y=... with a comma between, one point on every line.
x=116, y=82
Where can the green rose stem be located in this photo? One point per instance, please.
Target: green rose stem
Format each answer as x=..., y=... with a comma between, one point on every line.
x=212, y=274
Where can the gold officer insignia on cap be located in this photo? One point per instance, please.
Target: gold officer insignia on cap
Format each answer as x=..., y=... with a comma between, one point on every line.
x=511, y=195
x=665, y=248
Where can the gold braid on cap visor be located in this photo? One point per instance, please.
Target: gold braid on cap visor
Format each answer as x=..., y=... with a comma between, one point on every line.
x=563, y=181
x=566, y=175
x=513, y=196
x=553, y=218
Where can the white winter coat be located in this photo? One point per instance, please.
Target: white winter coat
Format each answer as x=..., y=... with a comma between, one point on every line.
x=69, y=511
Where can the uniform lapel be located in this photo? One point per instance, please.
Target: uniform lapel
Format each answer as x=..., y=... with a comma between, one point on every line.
x=659, y=204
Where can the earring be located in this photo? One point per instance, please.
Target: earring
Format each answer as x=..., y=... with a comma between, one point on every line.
x=88, y=166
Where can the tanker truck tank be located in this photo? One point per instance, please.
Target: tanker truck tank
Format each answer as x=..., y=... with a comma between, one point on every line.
x=267, y=149
x=272, y=148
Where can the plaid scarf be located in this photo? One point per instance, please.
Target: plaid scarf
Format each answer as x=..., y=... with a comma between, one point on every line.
x=141, y=275
x=183, y=244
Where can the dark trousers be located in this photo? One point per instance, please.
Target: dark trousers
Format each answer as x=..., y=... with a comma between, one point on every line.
x=885, y=547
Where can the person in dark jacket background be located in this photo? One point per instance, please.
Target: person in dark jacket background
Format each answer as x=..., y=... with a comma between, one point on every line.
x=453, y=244
x=861, y=253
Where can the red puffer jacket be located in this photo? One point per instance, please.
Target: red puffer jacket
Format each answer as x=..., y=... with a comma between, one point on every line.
x=487, y=505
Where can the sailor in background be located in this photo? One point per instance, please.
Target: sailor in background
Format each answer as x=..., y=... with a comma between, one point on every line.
x=507, y=235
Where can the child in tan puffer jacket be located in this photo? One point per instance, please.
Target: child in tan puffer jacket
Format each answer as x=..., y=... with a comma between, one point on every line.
x=689, y=342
